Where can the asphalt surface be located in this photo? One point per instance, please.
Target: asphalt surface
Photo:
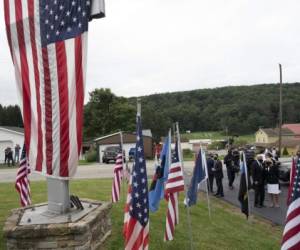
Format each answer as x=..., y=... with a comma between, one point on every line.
x=94, y=171
x=275, y=215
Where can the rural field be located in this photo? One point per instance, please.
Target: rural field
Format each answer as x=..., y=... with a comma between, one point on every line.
x=227, y=229
x=217, y=135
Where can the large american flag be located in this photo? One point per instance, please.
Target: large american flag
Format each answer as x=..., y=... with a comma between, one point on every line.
x=136, y=223
x=116, y=185
x=22, y=181
x=48, y=45
x=174, y=185
x=291, y=233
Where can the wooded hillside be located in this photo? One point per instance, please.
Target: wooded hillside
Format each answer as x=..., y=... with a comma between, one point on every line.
x=240, y=109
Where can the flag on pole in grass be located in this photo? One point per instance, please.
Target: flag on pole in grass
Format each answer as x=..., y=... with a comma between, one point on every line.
x=291, y=232
x=199, y=175
x=22, y=181
x=292, y=176
x=136, y=224
x=243, y=191
x=174, y=185
x=116, y=185
x=48, y=46
x=156, y=192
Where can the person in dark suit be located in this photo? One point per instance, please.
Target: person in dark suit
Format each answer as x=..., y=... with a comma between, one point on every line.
x=258, y=177
x=210, y=166
x=218, y=172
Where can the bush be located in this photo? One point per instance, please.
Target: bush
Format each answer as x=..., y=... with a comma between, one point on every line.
x=285, y=151
x=216, y=145
x=187, y=153
x=91, y=156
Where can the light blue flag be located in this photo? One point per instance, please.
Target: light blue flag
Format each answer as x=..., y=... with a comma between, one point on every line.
x=156, y=192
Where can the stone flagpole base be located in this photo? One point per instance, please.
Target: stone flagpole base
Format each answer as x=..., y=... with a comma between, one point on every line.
x=35, y=227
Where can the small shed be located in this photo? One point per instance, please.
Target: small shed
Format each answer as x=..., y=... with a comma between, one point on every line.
x=129, y=141
x=9, y=137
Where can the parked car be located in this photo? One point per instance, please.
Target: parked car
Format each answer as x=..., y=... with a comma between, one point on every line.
x=284, y=171
x=110, y=154
x=131, y=154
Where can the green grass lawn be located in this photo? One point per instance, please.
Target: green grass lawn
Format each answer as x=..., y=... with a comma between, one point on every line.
x=215, y=135
x=228, y=229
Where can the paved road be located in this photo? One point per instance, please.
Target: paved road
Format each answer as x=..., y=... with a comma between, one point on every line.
x=91, y=171
x=276, y=215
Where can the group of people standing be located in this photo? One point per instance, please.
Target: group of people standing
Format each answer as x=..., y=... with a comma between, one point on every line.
x=215, y=171
x=263, y=172
x=10, y=157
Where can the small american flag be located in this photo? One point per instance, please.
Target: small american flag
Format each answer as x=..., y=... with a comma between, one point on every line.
x=116, y=186
x=136, y=224
x=48, y=45
x=174, y=185
x=291, y=233
x=22, y=181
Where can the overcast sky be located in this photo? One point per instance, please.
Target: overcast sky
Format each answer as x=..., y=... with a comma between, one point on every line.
x=153, y=46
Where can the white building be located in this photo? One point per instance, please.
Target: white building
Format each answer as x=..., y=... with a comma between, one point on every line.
x=9, y=137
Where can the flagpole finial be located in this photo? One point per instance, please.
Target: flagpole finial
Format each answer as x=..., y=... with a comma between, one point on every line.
x=139, y=106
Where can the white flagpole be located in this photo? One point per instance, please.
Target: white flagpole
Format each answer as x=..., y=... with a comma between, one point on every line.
x=203, y=156
x=188, y=212
x=247, y=184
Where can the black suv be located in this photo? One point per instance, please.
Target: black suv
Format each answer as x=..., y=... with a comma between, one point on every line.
x=110, y=154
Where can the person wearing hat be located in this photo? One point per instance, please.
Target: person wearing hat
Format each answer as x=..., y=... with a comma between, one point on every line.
x=272, y=176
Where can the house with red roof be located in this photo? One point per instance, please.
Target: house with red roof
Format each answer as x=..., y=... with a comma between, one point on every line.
x=294, y=127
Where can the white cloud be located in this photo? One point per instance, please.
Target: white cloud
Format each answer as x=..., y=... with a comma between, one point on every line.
x=145, y=47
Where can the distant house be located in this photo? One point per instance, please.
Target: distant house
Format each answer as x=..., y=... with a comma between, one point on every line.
x=129, y=141
x=9, y=137
x=295, y=128
x=270, y=135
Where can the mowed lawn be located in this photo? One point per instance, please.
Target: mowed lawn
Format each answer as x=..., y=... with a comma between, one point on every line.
x=228, y=229
x=215, y=135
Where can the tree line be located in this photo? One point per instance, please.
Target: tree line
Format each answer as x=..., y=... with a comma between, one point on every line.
x=235, y=109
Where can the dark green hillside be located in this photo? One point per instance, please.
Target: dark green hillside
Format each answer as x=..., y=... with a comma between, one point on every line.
x=240, y=109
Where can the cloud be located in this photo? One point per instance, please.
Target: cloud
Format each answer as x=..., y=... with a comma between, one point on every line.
x=145, y=47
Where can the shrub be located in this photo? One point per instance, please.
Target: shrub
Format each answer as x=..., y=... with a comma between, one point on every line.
x=216, y=145
x=91, y=156
x=187, y=153
x=285, y=151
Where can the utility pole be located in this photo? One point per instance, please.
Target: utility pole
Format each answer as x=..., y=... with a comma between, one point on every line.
x=280, y=110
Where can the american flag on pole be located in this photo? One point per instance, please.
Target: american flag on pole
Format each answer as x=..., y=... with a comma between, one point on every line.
x=174, y=185
x=136, y=224
x=48, y=45
x=22, y=181
x=118, y=171
x=291, y=233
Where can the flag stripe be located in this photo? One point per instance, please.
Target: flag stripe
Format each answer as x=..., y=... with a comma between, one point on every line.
x=79, y=89
x=24, y=73
x=48, y=111
x=38, y=128
x=62, y=73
